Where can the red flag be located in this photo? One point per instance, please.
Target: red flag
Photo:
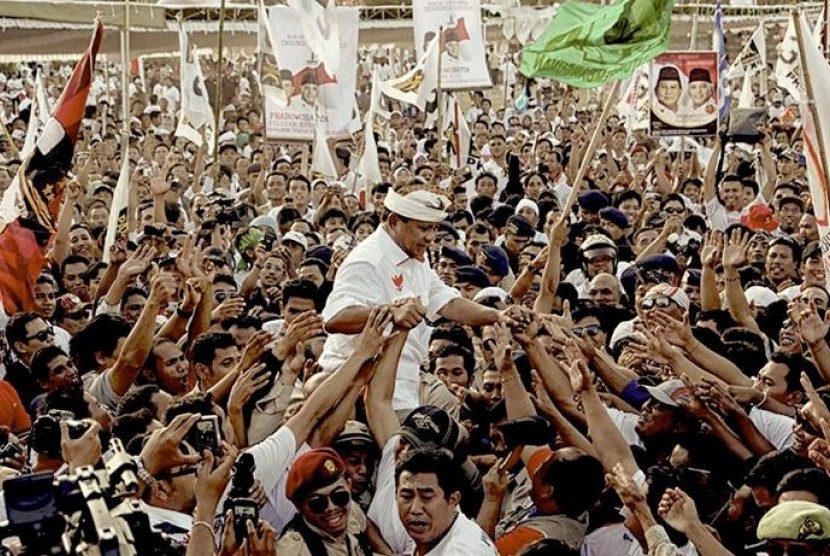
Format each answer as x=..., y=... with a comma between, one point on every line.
x=42, y=177
x=456, y=33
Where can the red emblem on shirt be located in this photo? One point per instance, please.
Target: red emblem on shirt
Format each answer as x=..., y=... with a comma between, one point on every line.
x=397, y=281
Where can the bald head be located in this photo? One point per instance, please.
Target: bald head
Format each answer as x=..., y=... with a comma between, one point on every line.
x=604, y=289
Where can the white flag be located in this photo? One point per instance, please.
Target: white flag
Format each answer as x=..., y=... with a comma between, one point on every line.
x=415, y=86
x=458, y=133
x=818, y=29
x=269, y=70
x=376, y=99
x=10, y=204
x=321, y=162
x=369, y=166
x=753, y=56
x=43, y=108
x=196, y=110
x=321, y=30
x=117, y=225
x=786, y=67
x=816, y=126
x=747, y=99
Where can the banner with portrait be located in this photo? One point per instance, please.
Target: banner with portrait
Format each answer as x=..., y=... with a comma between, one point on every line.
x=309, y=85
x=683, y=94
x=463, y=57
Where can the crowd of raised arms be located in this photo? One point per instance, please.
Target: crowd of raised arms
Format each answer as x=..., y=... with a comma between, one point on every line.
x=450, y=362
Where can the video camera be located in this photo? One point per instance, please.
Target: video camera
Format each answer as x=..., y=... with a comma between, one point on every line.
x=239, y=502
x=91, y=512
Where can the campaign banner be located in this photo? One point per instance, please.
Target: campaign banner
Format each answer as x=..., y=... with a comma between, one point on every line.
x=310, y=86
x=463, y=57
x=683, y=94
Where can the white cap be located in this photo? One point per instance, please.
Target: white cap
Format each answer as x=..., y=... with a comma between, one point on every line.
x=761, y=296
x=492, y=291
x=297, y=238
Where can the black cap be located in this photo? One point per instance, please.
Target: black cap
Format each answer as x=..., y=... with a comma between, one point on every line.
x=520, y=226
x=460, y=257
x=471, y=275
x=430, y=425
x=699, y=74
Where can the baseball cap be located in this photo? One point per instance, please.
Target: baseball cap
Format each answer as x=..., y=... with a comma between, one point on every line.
x=429, y=424
x=296, y=237
x=355, y=434
x=669, y=392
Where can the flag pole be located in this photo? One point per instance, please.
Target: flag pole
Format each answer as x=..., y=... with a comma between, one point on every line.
x=439, y=97
x=125, y=70
x=805, y=72
x=589, y=152
x=219, y=78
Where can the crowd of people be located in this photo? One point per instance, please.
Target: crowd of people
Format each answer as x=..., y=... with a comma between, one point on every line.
x=489, y=359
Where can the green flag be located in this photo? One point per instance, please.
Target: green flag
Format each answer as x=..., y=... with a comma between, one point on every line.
x=587, y=45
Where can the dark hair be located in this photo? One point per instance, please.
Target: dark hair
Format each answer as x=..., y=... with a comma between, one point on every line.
x=449, y=350
x=771, y=468
x=137, y=398
x=303, y=179
x=814, y=481
x=127, y=426
x=73, y=259
x=796, y=364
x=131, y=291
x=100, y=335
x=319, y=263
x=16, y=327
x=39, y=365
x=453, y=333
x=436, y=461
x=301, y=288
x=68, y=399
x=206, y=345
x=577, y=483
x=200, y=403
x=224, y=279
x=788, y=242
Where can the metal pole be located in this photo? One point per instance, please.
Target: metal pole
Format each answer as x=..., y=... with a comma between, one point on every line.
x=219, y=78
x=125, y=69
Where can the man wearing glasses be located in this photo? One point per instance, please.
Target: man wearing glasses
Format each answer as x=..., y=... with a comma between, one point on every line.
x=327, y=522
x=27, y=333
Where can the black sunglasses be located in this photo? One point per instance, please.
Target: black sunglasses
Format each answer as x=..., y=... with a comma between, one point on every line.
x=222, y=296
x=43, y=335
x=320, y=503
x=591, y=330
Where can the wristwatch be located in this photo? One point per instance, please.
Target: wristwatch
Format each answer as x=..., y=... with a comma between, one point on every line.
x=144, y=475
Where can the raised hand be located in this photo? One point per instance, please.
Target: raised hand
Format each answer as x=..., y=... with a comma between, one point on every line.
x=580, y=376
x=137, y=262
x=307, y=325
x=495, y=482
x=736, y=250
x=163, y=288
x=211, y=480
x=712, y=248
x=163, y=448
x=678, y=510
x=372, y=339
x=811, y=327
x=82, y=451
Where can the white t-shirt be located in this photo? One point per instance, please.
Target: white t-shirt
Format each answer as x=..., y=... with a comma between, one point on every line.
x=378, y=271
x=465, y=538
x=384, y=508
x=626, y=423
x=776, y=428
x=720, y=218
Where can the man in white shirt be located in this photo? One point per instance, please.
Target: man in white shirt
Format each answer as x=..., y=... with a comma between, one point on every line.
x=390, y=268
x=428, y=500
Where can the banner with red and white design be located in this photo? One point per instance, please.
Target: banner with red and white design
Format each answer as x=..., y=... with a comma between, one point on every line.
x=314, y=90
x=463, y=55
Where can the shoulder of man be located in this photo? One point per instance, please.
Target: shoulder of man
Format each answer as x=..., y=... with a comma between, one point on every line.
x=292, y=542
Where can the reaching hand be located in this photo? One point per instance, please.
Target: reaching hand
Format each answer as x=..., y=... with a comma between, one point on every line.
x=812, y=328
x=85, y=450
x=162, y=450
x=495, y=483
x=231, y=308
x=736, y=250
x=307, y=325
x=371, y=340
x=679, y=333
x=137, y=262
x=678, y=510
x=211, y=481
x=163, y=288
x=580, y=377
x=629, y=491
x=246, y=385
x=503, y=352
x=409, y=313
x=712, y=248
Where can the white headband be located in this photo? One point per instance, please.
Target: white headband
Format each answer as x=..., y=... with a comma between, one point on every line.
x=419, y=205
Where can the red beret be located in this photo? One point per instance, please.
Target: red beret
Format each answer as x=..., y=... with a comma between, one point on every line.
x=314, y=469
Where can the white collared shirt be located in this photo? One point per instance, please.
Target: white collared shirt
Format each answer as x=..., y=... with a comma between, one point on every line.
x=464, y=537
x=377, y=272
